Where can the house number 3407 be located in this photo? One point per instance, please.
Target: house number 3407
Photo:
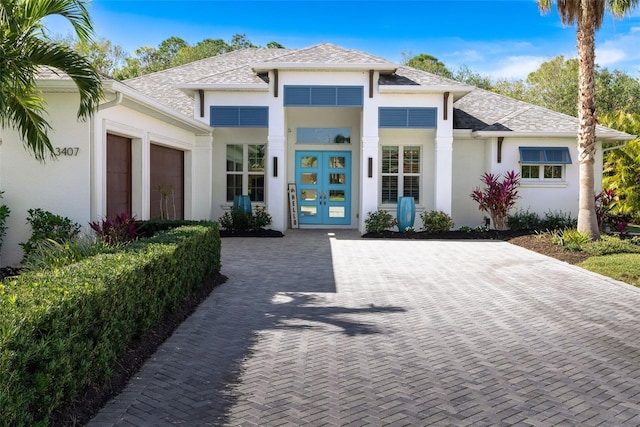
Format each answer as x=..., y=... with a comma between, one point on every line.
x=67, y=151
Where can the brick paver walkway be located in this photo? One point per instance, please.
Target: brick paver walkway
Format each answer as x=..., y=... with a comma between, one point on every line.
x=318, y=330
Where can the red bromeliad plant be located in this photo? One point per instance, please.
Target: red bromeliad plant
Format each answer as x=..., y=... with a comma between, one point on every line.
x=116, y=231
x=498, y=197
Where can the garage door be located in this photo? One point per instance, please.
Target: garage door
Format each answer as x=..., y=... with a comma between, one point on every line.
x=167, y=183
x=118, y=175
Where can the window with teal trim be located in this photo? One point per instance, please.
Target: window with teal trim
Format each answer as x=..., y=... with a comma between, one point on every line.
x=544, y=163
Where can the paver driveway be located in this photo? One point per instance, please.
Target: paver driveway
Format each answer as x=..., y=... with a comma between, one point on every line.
x=318, y=330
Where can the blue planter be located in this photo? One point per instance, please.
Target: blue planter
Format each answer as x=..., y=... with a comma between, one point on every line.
x=242, y=203
x=406, y=212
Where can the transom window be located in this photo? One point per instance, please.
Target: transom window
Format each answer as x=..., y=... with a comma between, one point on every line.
x=400, y=173
x=245, y=171
x=544, y=163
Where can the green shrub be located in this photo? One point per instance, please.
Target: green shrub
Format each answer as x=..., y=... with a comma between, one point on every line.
x=523, y=220
x=436, y=222
x=48, y=226
x=151, y=227
x=558, y=220
x=260, y=218
x=379, y=221
x=609, y=245
x=569, y=238
x=238, y=220
x=52, y=254
x=63, y=329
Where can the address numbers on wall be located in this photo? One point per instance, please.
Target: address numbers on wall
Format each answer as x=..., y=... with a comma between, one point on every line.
x=67, y=151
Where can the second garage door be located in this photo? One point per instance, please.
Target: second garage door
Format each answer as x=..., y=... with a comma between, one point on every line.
x=167, y=183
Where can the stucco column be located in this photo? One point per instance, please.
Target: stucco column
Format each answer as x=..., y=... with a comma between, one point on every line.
x=368, y=184
x=200, y=163
x=276, y=185
x=444, y=173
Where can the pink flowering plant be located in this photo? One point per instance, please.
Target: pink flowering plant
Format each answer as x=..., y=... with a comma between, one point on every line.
x=498, y=196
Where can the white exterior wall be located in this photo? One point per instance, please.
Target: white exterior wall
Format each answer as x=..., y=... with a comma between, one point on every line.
x=542, y=197
x=468, y=168
x=60, y=186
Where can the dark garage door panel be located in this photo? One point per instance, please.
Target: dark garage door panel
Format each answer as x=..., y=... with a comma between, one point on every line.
x=167, y=182
x=118, y=175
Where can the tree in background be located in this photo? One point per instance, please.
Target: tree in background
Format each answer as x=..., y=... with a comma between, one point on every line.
x=622, y=166
x=24, y=48
x=588, y=15
x=105, y=56
x=174, y=51
x=428, y=63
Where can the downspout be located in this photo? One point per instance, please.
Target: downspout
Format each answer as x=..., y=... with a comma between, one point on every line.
x=604, y=150
x=116, y=101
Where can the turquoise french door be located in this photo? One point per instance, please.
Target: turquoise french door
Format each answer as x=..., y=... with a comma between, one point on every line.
x=323, y=179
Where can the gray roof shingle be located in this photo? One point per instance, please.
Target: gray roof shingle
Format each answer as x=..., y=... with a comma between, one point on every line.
x=482, y=110
x=479, y=110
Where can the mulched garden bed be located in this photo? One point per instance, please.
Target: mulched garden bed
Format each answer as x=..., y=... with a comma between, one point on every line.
x=449, y=235
x=525, y=238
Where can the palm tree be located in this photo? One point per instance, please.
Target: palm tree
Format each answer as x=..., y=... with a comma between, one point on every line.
x=24, y=49
x=588, y=15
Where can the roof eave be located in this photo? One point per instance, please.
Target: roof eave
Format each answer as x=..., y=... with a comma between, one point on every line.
x=191, y=88
x=362, y=66
x=458, y=91
x=600, y=136
x=148, y=105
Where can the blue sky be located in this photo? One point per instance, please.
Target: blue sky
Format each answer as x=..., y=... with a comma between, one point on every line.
x=501, y=38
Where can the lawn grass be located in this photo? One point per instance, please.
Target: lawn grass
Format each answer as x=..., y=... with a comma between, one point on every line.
x=623, y=267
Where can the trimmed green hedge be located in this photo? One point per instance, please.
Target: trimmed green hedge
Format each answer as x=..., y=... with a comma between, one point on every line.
x=63, y=330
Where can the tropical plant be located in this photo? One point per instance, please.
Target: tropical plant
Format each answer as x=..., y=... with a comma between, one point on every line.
x=436, y=222
x=622, y=165
x=24, y=49
x=498, y=197
x=588, y=15
x=48, y=226
x=116, y=231
x=379, y=221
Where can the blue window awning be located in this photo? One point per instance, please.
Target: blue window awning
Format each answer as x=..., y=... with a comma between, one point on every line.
x=545, y=155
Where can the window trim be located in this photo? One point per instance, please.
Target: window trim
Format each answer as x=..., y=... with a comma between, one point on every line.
x=544, y=157
x=401, y=174
x=246, y=171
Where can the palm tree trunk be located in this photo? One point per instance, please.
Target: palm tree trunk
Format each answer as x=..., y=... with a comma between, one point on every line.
x=587, y=221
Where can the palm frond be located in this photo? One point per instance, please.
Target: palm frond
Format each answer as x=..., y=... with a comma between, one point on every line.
x=76, y=66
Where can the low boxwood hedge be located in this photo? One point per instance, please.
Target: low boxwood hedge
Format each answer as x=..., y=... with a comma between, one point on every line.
x=62, y=330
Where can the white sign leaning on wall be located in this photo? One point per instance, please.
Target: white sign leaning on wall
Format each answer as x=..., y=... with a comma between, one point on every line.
x=293, y=205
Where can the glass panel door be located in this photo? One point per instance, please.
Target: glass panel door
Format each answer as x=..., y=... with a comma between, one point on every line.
x=323, y=179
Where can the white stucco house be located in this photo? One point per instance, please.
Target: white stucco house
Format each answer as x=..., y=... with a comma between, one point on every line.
x=352, y=131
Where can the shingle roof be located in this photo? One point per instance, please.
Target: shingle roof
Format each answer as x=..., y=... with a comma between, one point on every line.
x=161, y=85
x=486, y=111
x=479, y=110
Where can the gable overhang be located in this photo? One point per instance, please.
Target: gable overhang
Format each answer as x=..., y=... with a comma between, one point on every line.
x=135, y=100
x=600, y=136
x=458, y=91
x=192, y=88
x=261, y=67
